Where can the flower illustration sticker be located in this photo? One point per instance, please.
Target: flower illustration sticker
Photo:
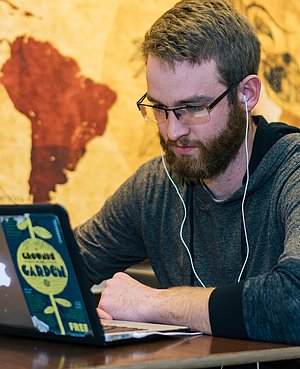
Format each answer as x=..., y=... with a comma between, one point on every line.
x=43, y=267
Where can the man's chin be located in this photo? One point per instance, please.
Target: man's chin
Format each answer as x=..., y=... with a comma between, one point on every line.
x=184, y=167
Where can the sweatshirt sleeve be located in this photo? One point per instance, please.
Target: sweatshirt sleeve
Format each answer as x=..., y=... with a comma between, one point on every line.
x=226, y=311
x=110, y=241
x=271, y=302
x=264, y=308
x=267, y=307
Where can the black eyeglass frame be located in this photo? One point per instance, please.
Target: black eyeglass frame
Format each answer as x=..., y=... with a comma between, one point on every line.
x=209, y=108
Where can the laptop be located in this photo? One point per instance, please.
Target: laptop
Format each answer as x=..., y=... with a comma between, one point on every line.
x=44, y=291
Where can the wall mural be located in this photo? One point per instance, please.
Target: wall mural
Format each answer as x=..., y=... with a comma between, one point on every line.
x=276, y=23
x=70, y=73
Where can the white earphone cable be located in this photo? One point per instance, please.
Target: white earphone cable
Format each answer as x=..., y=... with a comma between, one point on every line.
x=245, y=192
x=243, y=205
x=182, y=223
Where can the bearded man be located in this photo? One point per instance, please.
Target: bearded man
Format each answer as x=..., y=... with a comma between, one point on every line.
x=218, y=213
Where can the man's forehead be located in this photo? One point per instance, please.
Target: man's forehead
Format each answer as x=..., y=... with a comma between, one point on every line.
x=181, y=73
x=169, y=84
x=177, y=66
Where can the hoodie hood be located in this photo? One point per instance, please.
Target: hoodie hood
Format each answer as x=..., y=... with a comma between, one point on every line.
x=273, y=144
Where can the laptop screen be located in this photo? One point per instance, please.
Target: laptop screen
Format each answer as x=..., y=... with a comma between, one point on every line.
x=38, y=285
x=13, y=311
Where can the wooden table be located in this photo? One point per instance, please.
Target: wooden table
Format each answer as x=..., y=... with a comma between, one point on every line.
x=191, y=352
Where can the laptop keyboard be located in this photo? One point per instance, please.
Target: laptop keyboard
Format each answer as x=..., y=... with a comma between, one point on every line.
x=112, y=328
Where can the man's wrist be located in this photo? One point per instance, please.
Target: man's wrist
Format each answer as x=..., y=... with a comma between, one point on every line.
x=182, y=306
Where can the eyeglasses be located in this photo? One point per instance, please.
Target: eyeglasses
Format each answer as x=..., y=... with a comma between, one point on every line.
x=191, y=115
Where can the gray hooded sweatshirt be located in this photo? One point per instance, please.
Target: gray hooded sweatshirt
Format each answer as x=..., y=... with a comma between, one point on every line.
x=143, y=219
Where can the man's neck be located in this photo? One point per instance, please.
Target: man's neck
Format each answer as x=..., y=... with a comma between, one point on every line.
x=228, y=182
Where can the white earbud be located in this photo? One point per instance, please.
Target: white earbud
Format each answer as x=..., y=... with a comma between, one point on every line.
x=245, y=99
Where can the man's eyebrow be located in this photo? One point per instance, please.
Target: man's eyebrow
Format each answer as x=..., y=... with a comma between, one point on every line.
x=151, y=99
x=195, y=99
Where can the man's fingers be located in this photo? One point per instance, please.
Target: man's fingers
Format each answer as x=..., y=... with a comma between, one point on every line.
x=103, y=314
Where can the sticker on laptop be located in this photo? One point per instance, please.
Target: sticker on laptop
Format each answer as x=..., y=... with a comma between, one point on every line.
x=46, y=274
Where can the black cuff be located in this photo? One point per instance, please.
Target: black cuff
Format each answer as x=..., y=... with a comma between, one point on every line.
x=226, y=311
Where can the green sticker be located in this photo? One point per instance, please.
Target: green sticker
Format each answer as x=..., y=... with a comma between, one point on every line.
x=43, y=268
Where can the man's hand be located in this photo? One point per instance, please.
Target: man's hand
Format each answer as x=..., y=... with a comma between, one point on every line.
x=124, y=298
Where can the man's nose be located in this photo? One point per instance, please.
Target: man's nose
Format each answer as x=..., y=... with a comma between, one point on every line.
x=176, y=129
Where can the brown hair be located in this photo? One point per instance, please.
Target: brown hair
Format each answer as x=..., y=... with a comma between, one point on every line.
x=201, y=30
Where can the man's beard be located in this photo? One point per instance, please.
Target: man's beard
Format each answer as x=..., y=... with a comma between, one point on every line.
x=214, y=156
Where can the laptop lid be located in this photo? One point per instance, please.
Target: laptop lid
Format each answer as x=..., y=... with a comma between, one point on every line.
x=43, y=288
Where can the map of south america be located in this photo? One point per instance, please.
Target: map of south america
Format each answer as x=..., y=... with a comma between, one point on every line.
x=66, y=109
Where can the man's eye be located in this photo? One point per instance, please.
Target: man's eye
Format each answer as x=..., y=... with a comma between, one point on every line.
x=157, y=106
x=158, y=109
x=194, y=109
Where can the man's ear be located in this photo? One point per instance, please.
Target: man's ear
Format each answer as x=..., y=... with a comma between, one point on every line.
x=249, y=91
